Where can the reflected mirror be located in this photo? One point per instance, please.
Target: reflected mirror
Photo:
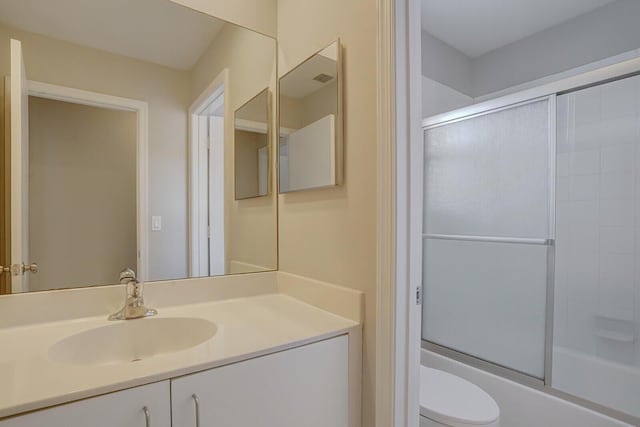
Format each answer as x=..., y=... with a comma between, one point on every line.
x=251, y=147
x=117, y=145
x=310, y=146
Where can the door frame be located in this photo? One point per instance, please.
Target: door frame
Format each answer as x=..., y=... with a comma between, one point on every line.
x=400, y=178
x=218, y=87
x=399, y=275
x=141, y=108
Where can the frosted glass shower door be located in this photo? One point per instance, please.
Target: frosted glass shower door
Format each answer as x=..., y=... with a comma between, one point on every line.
x=596, y=348
x=487, y=228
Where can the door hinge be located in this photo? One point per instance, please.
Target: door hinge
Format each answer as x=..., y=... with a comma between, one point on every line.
x=419, y=295
x=209, y=231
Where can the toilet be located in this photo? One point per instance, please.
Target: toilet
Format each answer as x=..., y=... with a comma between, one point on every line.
x=448, y=400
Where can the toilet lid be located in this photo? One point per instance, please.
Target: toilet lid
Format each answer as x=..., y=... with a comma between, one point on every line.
x=453, y=401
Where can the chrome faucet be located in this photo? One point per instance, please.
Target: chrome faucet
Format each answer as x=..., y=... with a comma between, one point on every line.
x=134, y=307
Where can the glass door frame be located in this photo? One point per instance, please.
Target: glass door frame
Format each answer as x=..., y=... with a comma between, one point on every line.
x=478, y=110
x=550, y=90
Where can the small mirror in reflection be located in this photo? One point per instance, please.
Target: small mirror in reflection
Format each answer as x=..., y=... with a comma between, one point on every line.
x=251, y=147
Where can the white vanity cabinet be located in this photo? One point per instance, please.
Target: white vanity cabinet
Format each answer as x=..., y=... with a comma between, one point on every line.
x=306, y=386
x=120, y=409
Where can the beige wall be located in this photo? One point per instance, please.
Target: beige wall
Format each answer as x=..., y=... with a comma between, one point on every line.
x=330, y=234
x=258, y=15
x=296, y=113
x=248, y=56
x=251, y=236
x=320, y=103
x=82, y=193
x=290, y=112
x=167, y=93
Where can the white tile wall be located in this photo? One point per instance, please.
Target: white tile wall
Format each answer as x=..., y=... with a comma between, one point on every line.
x=617, y=158
x=584, y=162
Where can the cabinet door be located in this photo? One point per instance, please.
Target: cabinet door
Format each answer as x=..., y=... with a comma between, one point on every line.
x=121, y=409
x=306, y=386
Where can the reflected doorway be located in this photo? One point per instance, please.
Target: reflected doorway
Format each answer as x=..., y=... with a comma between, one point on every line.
x=82, y=193
x=206, y=189
x=74, y=182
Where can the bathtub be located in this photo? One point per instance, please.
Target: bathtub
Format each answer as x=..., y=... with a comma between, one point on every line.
x=520, y=405
x=608, y=383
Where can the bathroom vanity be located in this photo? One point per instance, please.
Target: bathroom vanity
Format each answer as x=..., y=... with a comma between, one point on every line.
x=280, y=388
x=262, y=359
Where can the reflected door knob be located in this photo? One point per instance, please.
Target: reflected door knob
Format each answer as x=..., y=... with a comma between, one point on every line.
x=4, y=269
x=31, y=268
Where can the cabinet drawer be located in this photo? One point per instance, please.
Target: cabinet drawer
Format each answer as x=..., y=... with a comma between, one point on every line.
x=120, y=409
x=305, y=386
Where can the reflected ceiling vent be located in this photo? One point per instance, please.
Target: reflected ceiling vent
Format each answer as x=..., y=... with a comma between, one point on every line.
x=323, y=78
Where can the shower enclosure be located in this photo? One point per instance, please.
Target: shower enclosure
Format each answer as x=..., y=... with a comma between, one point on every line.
x=531, y=238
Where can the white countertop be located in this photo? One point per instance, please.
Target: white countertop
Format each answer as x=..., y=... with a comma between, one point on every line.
x=247, y=327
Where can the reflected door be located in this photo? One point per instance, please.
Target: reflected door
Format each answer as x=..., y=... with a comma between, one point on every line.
x=19, y=125
x=207, y=205
x=215, y=195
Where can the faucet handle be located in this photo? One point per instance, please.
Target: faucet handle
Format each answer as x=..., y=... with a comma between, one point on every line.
x=127, y=275
x=134, y=307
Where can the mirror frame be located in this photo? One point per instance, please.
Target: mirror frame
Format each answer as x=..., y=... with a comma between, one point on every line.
x=339, y=122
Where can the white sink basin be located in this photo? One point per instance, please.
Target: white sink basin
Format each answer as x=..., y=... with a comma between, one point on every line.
x=132, y=340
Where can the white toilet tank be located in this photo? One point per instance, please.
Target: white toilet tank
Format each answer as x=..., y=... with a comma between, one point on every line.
x=448, y=400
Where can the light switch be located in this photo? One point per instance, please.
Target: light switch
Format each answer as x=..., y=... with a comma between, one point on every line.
x=156, y=223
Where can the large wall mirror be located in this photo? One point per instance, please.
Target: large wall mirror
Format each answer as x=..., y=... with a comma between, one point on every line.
x=118, y=144
x=310, y=136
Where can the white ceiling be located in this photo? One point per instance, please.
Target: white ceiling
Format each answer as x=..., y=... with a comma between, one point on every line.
x=476, y=27
x=157, y=31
